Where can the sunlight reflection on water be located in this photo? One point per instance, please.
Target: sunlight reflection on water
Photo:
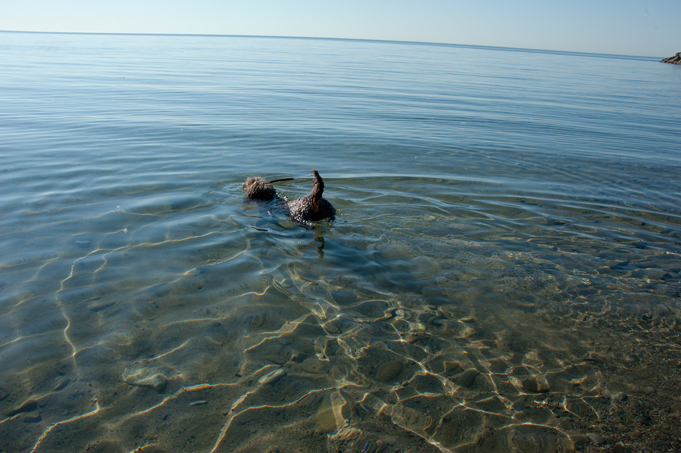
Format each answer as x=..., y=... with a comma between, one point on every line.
x=467, y=297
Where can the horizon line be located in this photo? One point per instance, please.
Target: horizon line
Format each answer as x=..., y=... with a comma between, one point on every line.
x=385, y=41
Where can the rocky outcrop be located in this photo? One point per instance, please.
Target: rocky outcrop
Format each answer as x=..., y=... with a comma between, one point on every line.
x=676, y=59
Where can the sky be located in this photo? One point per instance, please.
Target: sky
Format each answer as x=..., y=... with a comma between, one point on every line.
x=624, y=27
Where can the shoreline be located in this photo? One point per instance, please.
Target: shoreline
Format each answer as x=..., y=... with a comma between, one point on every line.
x=676, y=59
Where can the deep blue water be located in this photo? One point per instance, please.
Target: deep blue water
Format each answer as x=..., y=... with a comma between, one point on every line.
x=496, y=208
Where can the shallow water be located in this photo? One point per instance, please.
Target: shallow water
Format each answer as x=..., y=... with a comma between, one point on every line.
x=507, y=245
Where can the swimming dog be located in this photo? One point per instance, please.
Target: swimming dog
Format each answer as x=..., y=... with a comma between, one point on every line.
x=313, y=207
x=309, y=208
x=258, y=188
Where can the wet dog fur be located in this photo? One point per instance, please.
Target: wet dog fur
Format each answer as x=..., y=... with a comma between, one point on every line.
x=258, y=188
x=309, y=208
x=313, y=207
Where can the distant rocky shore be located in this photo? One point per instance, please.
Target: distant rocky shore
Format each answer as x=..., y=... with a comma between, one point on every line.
x=676, y=59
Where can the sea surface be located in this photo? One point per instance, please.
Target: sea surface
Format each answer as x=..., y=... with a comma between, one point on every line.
x=506, y=249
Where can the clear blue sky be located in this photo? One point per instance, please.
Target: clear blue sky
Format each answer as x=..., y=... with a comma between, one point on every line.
x=628, y=27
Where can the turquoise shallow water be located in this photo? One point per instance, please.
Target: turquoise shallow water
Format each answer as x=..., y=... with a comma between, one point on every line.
x=507, y=247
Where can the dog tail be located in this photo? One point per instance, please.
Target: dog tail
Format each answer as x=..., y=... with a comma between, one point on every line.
x=317, y=190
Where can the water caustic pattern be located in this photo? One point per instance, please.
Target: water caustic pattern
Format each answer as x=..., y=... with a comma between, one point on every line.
x=206, y=323
x=502, y=273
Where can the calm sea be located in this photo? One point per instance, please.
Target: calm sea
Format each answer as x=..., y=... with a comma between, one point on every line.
x=506, y=249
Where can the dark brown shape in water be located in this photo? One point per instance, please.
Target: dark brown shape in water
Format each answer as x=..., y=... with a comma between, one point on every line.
x=313, y=207
x=258, y=189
